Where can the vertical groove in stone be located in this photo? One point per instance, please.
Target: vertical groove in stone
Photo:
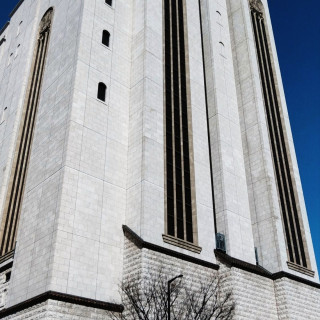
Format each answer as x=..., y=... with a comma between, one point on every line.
x=289, y=210
x=207, y=113
x=178, y=179
x=169, y=131
x=21, y=158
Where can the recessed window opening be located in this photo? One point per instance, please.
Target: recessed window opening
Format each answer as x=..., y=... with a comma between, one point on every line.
x=14, y=195
x=19, y=28
x=222, y=48
x=102, y=90
x=219, y=17
x=106, y=38
x=8, y=276
x=180, y=210
x=10, y=58
x=108, y=2
x=2, y=40
x=17, y=51
x=4, y=115
x=289, y=204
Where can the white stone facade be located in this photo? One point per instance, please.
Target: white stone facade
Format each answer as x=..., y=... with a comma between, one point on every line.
x=264, y=202
x=96, y=166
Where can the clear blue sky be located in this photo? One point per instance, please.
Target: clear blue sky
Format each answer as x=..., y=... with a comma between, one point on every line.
x=297, y=33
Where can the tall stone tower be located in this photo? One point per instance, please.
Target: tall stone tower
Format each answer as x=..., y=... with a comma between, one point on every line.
x=135, y=133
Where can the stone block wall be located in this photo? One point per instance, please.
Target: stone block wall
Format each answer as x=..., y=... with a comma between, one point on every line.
x=36, y=312
x=297, y=301
x=4, y=286
x=56, y=310
x=255, y=296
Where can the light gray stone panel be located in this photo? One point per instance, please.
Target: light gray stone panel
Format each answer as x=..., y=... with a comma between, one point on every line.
x=226, y=146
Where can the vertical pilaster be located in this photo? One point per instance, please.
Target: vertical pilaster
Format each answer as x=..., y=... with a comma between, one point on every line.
x=275, y=194
x=145, y=180
x=10, y=218
x=229, y=179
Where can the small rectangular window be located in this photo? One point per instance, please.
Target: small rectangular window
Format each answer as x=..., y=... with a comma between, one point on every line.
x=219, y=17
x=17, y=51
x=102, y=90
x=10, y=58
x=2, y=40
x=106, y=38
x=8, y=276
x=4, y=115
x=19, y=28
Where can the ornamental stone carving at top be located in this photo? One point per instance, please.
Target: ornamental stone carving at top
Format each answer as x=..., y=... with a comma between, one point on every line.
x=46, y=21
x=256, y=5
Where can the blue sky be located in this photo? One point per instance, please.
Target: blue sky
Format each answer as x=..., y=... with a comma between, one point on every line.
x=297, y=33
x=298, y=43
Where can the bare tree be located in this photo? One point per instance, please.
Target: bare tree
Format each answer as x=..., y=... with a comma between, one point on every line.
x=146, y=298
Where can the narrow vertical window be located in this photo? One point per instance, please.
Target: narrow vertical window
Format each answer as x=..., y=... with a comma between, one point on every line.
x=2, y=46
x=11, y=214
x=289, y=210
x=109, y=2
x=106, y=38
x=102, y=90
x=219, y=17
x=17, y=51
x=4, y=115
x=19, y=28
x=221, y=48
x=179, y=210
x=10, y=58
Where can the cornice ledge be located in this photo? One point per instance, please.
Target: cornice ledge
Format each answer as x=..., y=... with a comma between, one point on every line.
x=283, y=274
x=16, y=8
x=243, y=265
x=4, y=28
x=301, y=269
x=141, y=244
x=256, y=269
x=8, y=257
x=62, y=297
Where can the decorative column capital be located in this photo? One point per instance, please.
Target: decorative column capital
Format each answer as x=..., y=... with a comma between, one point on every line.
x=45, y=23
x=256, y=5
